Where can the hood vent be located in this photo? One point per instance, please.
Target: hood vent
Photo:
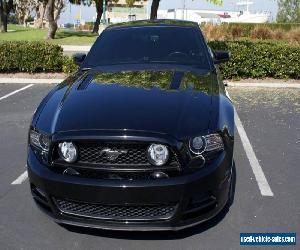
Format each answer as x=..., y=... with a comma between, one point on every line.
x=176, y=80
x=85, y=82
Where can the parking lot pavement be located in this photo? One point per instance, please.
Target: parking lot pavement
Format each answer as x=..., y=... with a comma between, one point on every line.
x=9, y=88
x=15, y=113
x=271, y=121
x=271, y=118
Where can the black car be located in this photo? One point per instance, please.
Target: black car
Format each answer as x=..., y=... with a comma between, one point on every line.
x=141, y=137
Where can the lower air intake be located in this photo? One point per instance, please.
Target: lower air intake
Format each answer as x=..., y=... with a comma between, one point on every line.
x=116, y=212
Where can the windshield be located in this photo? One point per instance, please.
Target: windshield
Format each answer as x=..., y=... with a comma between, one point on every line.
x=170, y=45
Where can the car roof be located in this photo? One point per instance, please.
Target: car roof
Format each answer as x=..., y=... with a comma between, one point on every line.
x=157, y=22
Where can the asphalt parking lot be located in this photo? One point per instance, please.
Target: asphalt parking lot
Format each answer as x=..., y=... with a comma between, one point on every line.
x=266, y=197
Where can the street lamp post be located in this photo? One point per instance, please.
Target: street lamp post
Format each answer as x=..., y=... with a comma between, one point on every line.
x=104, y=12
x=183, y=10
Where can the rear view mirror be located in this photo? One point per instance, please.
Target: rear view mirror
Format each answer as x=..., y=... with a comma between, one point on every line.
x=78, y=58
x=221, y=56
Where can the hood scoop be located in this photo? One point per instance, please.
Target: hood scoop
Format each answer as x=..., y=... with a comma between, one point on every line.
x=176, y=80
x=85, y=82
x=165, y=80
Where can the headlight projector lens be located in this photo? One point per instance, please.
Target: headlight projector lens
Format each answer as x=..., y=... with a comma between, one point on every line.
x=208, y=143
x=197, y=145
x=158, y=154
x=68, y=151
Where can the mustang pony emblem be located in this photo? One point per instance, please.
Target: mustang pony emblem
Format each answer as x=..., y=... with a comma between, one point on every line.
x=111, y=154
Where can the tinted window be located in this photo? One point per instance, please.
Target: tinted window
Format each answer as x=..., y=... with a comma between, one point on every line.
x=174, y=45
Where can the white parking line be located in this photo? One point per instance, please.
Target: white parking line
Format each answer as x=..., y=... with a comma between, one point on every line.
x=23, y=176
x=16, y=91
x=20, y=179
x=29, y=80
x=260, y=177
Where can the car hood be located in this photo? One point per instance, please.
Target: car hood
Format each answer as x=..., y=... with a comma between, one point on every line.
x=174, y=102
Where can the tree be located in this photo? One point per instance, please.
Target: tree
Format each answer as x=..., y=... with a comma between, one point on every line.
x=155, y=5
x=53, y=10
x=23, y=9
x=154, y=8
x=288, y=11
x=6, y=6
x=40, y=9
x=50, y=16
x=58, y=7
x=99, y=9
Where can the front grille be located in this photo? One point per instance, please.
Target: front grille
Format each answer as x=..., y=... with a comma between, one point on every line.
x=131, y=157
x=131, y=164
x=136, y=154
x=115, y=212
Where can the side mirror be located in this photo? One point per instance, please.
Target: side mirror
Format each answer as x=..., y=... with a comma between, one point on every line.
x=78, y=58
x=221, y=56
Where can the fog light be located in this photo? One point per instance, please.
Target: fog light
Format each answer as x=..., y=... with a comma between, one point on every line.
x=158, y=154
x=68, y=151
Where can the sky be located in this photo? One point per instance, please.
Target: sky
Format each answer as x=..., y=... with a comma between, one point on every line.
x=88, y=13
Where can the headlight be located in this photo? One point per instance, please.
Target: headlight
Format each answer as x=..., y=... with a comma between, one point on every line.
x=158, y=154
x=39, y=140
x=68, y=151
x=214, y=143
x=208, y=143
x=197, y=145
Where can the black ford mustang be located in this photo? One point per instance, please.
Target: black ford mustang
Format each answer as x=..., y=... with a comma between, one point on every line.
x=141, y=137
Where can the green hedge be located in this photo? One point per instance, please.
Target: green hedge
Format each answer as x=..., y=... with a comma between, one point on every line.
x=248, y=27
x=252, y=59
x=69, y=66
x=30, y=57
x=249, y=59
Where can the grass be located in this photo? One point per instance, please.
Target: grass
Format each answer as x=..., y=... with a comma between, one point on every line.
x=63, y=36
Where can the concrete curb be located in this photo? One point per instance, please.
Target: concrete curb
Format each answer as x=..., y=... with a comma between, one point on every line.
x=229, y=84
x=264, y=84
x=75, y=48
x=30, y=80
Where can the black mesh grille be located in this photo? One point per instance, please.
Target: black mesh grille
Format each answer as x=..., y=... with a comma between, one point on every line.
x=133, y=154
x=131, y=163
x=116, y=212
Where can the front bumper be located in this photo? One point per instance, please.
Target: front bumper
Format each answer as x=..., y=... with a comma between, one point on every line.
x=189, y=193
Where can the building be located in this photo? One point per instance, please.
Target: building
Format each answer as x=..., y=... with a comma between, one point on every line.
x=121, y=12
x=199, y=16
x=242, y=15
